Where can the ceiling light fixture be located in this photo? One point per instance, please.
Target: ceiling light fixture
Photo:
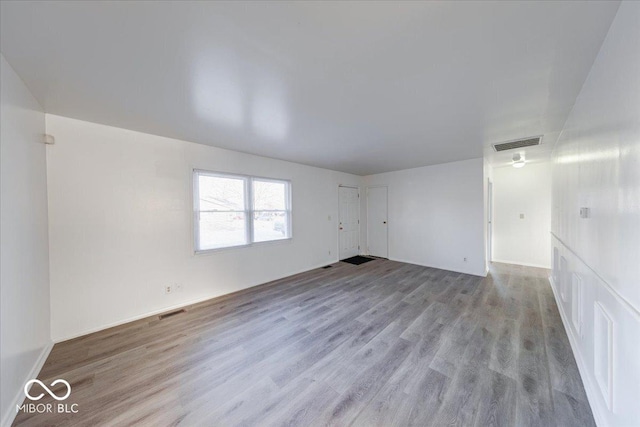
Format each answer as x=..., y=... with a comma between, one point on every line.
x=518, y=161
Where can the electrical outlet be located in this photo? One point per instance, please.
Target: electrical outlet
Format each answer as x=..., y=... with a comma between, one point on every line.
x=167, y=289
x=465, y=259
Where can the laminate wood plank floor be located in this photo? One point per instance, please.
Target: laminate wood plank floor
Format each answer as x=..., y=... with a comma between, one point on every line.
x=383, y=343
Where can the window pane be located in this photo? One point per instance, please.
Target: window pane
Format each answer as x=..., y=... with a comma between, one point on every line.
x=222, y=229
x=270, y=226
x=221, y=194
x=269, y=195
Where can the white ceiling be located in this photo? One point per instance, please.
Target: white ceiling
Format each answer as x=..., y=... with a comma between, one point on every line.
x=357, y=87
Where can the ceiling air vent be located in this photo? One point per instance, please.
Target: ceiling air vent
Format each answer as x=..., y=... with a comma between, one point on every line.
x=519, y=143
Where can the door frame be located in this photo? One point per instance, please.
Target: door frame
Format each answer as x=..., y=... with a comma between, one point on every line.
x=387, y=215
x=338, y=219
x=489, y=222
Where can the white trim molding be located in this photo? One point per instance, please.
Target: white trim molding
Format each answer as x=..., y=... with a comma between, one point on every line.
x=178, y=306
x=8, y=418
x=589, y=387
x=602, y=328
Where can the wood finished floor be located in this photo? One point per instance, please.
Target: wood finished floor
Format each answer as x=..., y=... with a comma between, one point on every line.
x=382, y=343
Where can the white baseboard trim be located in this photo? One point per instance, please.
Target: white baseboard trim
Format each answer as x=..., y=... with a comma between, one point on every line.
x=589, y=385
x=134, y=318
x=175, y=307
x=8, y=418
x=483, y=274
x=526, y=264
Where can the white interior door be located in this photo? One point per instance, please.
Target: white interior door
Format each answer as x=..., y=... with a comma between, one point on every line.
x=377, y=234
x=489, y=221
x=349, y=222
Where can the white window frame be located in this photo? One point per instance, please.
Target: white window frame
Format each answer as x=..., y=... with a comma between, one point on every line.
x=248, y=212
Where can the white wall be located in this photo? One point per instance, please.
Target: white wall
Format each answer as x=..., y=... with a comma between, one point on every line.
x=437, y=215
x=526, y=191
x=120, y=212
x=597, y=165
x=24, y=262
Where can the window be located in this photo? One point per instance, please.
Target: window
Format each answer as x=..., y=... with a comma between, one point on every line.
x=236, y=210
x=270, y=210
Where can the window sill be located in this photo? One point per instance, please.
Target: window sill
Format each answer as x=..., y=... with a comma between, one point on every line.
x=288, y=240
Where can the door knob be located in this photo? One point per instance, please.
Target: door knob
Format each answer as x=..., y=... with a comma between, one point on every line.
x=384, y=222
x=340, y=228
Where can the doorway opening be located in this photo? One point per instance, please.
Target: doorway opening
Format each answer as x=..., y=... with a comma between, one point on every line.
x=489, y=222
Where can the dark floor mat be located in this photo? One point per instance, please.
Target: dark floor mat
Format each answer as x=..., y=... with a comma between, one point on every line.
x=357, y=260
